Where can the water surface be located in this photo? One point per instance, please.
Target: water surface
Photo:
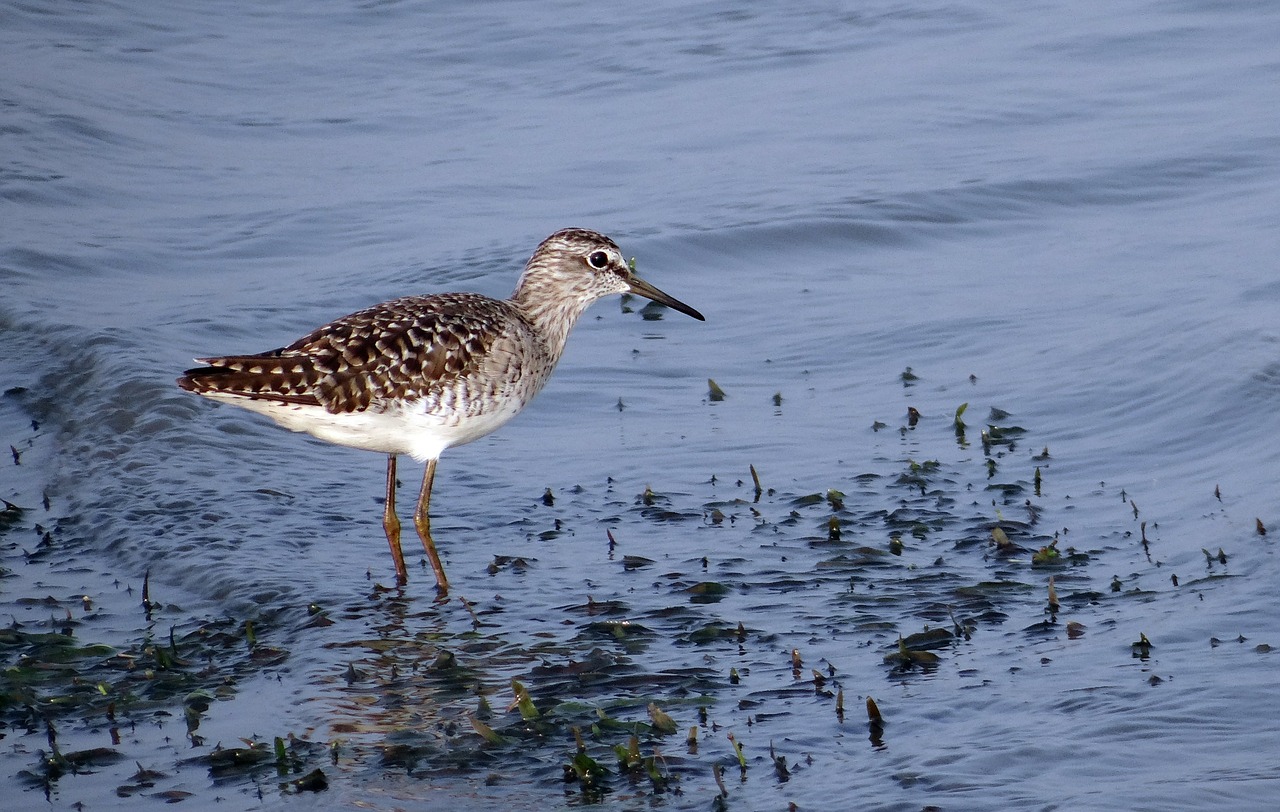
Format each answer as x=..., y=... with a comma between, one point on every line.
x=1066, y=215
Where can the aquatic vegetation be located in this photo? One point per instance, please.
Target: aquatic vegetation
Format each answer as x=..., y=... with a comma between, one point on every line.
x=905, y=658
x=907, y=566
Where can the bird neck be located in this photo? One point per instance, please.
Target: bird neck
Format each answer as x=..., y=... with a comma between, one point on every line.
x=551, y=307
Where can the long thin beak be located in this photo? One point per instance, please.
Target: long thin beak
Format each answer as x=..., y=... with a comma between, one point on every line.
x=642, y=288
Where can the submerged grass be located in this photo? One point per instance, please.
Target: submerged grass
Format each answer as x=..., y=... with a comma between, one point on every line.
x=91, y=665
x=892, y=572
x=99, y=666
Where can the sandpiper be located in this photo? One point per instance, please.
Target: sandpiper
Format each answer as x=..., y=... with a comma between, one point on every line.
x=420, y=374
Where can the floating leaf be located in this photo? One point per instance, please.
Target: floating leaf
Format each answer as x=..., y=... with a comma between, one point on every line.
x=908, y=658
x=314, y=781
x=524, y=702
x=1001, y=539
x=10, y=514
x=737, y=749
x=585, y=770
x=662, y=722
x=707, y=592
x=873, y=712
x=635, y=562
x=487, y=733
x=710, y=633
x=1047, y=555
x=629, y=755
x=93, y=757
x=780, y=766
x=1141, y=648
x=238, y=759
x=928, y=639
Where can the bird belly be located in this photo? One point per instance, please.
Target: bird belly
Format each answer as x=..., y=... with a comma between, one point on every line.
x=411, y=428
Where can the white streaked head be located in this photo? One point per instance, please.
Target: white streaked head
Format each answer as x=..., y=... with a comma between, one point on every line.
x=575, y=267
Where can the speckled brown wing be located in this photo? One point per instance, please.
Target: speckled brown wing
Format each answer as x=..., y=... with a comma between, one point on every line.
x=402, y=349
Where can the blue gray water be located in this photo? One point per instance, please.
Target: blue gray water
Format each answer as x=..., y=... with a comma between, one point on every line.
x=1067, y=212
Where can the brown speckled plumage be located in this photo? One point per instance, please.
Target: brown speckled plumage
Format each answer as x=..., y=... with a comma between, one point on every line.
x=404, y=349
x=419, y=374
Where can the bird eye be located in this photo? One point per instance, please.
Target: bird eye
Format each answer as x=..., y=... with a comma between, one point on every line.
x=598, y=259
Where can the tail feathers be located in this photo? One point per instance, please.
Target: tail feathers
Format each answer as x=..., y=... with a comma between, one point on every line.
x=267, y=377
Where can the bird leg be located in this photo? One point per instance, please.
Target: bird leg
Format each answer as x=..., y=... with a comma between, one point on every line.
x=422, y=521
x=391, y=522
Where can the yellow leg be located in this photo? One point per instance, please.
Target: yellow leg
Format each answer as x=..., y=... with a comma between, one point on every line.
x=422, y=521
x=391, y=522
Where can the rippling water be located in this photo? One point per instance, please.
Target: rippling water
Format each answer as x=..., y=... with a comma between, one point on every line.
x=1071, y=214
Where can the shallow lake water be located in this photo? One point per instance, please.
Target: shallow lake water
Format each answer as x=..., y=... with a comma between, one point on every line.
x=1066, y=218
